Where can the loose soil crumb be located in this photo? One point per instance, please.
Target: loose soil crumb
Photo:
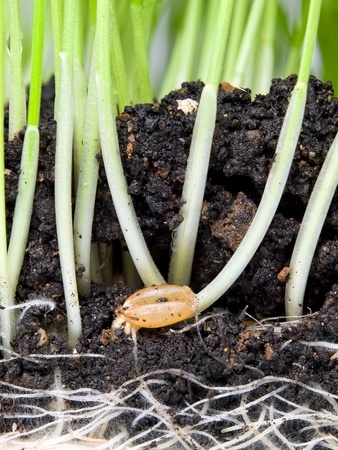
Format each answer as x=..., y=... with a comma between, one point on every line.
x=223, y=349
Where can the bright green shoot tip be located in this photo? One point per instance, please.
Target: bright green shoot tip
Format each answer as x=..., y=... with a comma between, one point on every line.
x=17, y=95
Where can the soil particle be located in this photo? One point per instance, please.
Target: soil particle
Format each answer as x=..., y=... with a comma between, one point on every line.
x=221, y=349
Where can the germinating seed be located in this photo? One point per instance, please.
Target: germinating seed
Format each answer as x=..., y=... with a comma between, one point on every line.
x=156, y=306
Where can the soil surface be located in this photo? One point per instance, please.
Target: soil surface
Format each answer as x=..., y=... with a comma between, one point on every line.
x=223, y=349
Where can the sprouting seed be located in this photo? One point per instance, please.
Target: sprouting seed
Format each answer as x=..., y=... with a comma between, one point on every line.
x=156, y=306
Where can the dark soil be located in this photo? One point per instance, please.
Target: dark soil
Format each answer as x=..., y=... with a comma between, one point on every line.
x=154, y=141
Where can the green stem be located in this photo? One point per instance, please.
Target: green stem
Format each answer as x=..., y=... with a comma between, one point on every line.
x=144, y=92
x=183, y=57
x=118, y=67
x=307, y=239
x=265, y=52
x=271, y=196
x=309, y=41
x=57, y=8
x=293, y=56
x=184, y=238
x=30, y=153
x=149, y=14
x=112, y=160
x=319, y=203
x=184, y=241
x=80, y=90
x=36, y=71
x=250, y=36
x=121, y=10
x=86, y=191
x=6, y=292
x=92, y=10
x=63, y=176
x=235, y=36
x=17, y=95
x=220, y=43
x=207, y=41
x=24, y=203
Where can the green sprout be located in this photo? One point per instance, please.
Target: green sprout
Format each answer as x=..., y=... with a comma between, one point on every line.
x=17, y=96
x=26, y=188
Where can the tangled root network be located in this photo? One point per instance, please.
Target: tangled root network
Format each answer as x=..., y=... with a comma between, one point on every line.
x=268, y=413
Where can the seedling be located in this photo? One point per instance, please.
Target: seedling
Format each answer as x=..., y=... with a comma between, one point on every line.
x=26, y=188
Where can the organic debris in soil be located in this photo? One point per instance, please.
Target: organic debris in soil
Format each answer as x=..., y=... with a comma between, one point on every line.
x=221, y=350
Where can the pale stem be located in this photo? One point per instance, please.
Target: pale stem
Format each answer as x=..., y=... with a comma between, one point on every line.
x=24, y=203
x=30, y=153
x=119, y=191
x=6, y=292
x=308, y=235
x=271, y=196
x=112, y=159
x=63, y=200
x=184, y=240
x=87, y=185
